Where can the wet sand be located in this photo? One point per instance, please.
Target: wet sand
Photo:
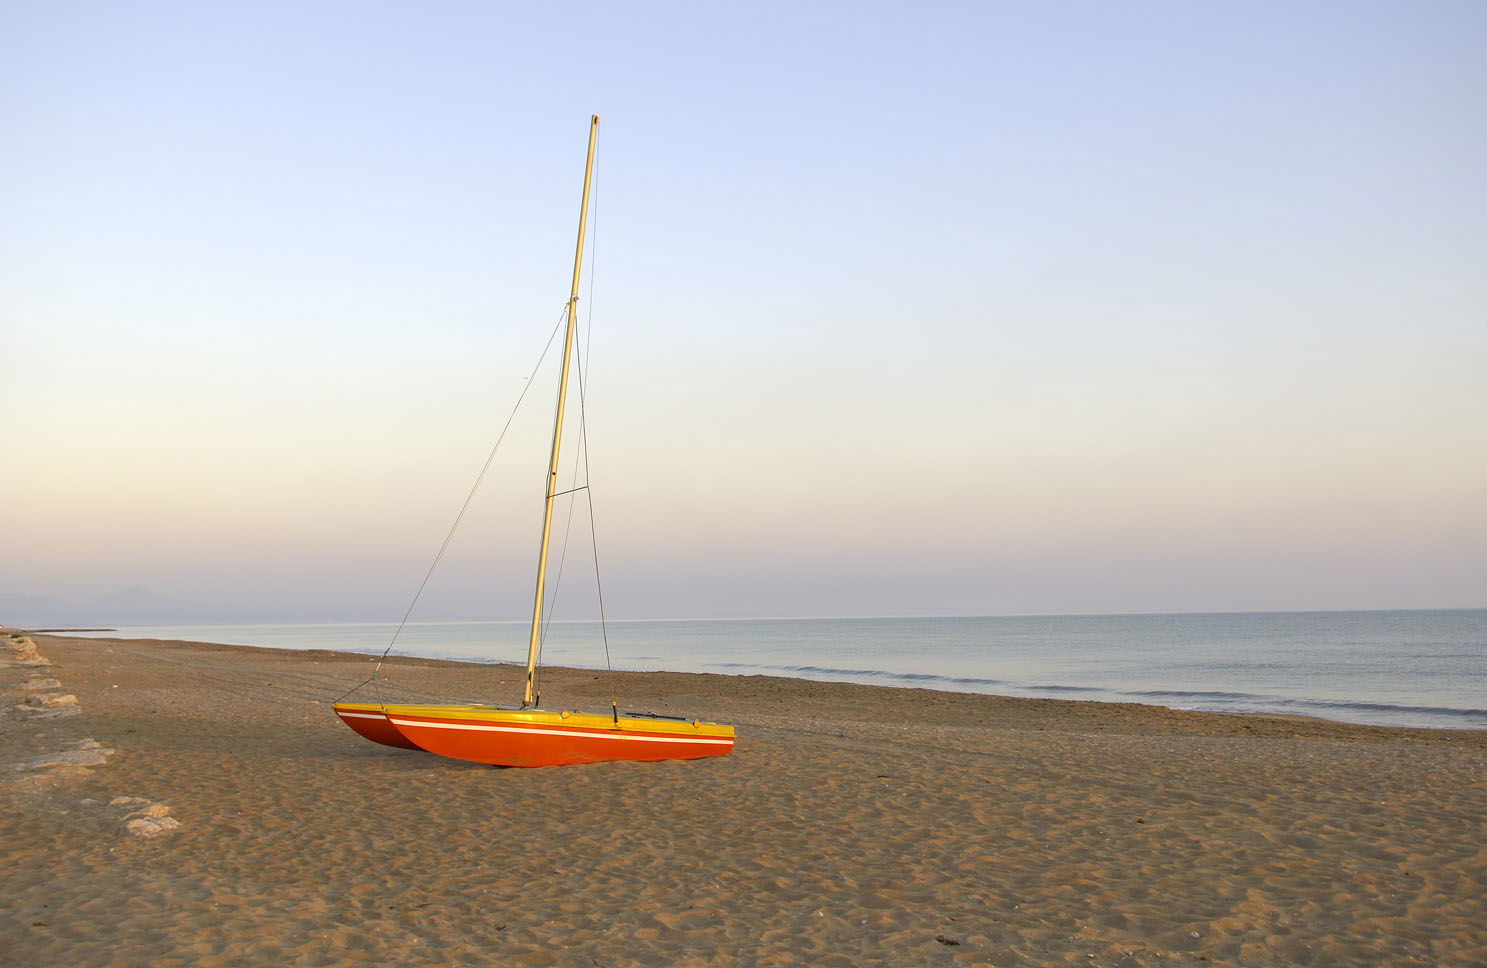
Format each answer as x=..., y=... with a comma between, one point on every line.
x=852, y=825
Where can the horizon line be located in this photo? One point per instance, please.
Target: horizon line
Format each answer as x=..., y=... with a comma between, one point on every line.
x=777, y=618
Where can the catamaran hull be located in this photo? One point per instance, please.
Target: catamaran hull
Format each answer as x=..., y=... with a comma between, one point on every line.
x=531, y=744
x=372, y=724
x=501, y=736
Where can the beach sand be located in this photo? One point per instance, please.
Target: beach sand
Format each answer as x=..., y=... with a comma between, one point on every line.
x=852, y=825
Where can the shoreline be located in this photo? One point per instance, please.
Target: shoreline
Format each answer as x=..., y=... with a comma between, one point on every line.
x=580, y=669
x=852, y=825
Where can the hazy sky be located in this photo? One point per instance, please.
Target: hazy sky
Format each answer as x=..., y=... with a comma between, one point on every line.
x=899, y=308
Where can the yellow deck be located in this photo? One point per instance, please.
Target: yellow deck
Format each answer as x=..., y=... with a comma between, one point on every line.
x=543, y=717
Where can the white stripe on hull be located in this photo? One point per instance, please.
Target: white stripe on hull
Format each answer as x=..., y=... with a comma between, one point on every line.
x=561, y=732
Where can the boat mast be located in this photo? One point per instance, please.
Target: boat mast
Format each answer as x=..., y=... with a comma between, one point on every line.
x=529, y=695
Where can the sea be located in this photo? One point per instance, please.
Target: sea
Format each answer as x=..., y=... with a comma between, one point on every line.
x=1400, y=668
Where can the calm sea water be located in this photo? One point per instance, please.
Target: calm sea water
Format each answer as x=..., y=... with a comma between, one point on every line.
x=1409, y=668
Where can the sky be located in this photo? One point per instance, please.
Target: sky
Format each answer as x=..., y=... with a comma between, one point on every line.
x=895, y=309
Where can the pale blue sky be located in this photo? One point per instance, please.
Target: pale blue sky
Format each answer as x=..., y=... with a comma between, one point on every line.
x=899, y=309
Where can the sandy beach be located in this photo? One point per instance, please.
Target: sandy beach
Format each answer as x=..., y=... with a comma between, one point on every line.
x=200, y=805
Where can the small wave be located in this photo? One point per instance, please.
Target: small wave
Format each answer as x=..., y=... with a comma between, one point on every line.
x=1358, y=711
x=1362, y=711
x=885, y=674
x=1385, y=707
x=1065, y=689
x=873, y=674
x=1446, y=655
x=1195, y=694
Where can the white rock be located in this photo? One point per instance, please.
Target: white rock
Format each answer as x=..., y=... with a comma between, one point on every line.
x=24, y=663
x=93, y=757
x=23, y=648
x=140, y=808
x=152, y=827
x=51, y=699
x=42, y=712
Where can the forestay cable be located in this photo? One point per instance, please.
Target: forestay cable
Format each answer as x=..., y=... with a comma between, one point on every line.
x=463, y=508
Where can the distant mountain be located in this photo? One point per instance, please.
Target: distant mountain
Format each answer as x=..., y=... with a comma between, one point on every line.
x=135, y=605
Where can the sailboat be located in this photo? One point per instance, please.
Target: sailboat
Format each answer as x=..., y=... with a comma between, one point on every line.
x=528, y=735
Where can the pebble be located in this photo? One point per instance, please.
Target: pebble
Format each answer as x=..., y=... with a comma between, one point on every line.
x=145, y=818
x=49, y=712
x=52, y=699
x=129, y=802
x=152, y=827
x=96, y=756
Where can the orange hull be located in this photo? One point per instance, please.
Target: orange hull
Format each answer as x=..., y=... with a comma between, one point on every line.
x=534, y=737
x=372, y=724
x=527, y=743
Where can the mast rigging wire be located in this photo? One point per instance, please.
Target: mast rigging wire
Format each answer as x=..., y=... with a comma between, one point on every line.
x=583, y=436
x=463, y=508
x=581, y=460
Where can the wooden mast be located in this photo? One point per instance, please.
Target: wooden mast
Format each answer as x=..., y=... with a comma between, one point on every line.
x=530, y=694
